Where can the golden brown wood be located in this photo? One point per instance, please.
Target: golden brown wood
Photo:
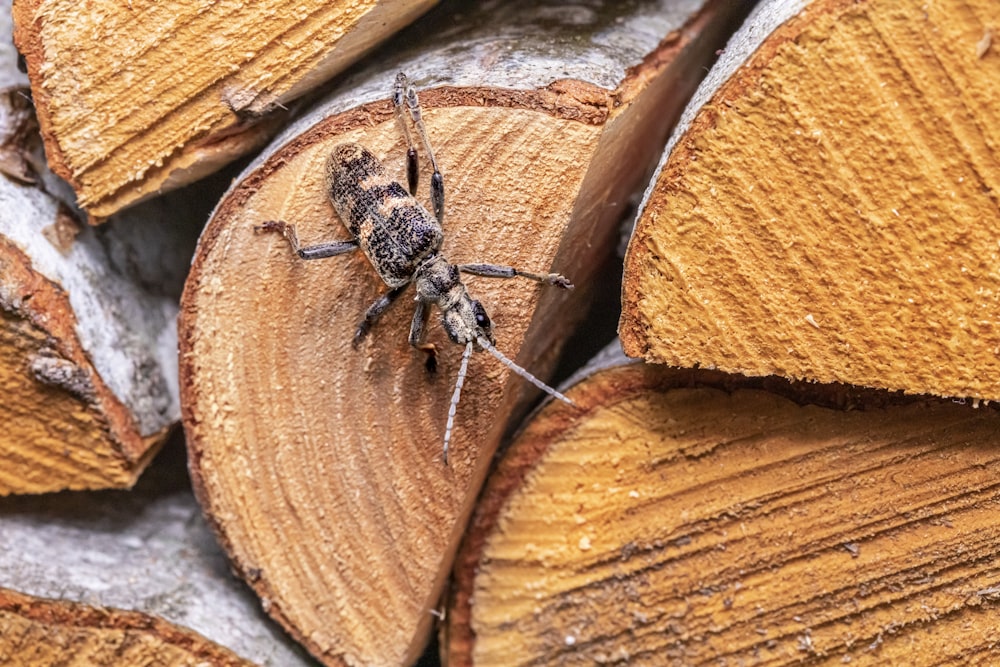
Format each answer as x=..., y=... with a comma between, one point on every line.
x=63, y=427
x=830, y=212
x=74, y=417
x=692, y=518
x=320, y=465
x=87, y=318
x=137, y=97
x=36, y=632
x=87, y=321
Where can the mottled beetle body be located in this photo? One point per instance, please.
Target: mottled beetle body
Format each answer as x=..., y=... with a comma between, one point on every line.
x=392, y=228
x=402, y=240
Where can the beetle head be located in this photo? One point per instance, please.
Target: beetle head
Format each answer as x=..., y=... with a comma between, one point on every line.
x=466, y=320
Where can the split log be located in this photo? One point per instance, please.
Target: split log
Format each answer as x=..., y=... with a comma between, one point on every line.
x=36, y=631
x=828, y=209
x=136, y=98
x=136, y=572
x=320, y=465
x=689, y=517
x=87, y=318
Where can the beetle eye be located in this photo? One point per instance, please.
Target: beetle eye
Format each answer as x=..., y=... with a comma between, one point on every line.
x=482, y=319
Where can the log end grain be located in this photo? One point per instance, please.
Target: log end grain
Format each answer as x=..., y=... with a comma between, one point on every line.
x=64, y=428
x=38, y=631
x=340, y=448
x=695, y=518
x=830, y=214
x=137, y=98
x=319, y=464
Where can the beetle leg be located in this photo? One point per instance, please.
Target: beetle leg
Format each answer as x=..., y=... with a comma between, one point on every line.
x=417, y=336
x=319, y=251
x=375, y=311
x=404, y=95
x=498, y=271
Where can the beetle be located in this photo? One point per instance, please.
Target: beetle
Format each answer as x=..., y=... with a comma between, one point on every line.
x=402, y=240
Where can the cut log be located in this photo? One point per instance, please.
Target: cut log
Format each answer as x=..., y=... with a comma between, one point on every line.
x=689, y=517
x=321, y=465
x=88, y=348
x=135, y=98
x=87, y=319
x=36, y=631
x=147, y=551
x=828, y=210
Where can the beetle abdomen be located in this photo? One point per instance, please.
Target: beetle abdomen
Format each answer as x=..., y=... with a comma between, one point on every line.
x=392, y=228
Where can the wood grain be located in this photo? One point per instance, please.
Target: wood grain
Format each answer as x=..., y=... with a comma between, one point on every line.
x=139, y=97
x=87, y=318
x=320, y=465
x=35, y=632
x=828, y=211
x=146, y=550
x=688, y=517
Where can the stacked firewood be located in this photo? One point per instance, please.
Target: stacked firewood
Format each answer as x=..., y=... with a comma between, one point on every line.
x=787, y=455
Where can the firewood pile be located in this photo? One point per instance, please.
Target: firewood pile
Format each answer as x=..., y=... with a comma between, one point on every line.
x=220, y=452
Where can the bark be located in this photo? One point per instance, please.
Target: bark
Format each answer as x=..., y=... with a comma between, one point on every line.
x=87, y=319
x=827, y=209
x=137, y=572
x=136, y=98
x=36, y=631
x=692, y=517
x=319, y=465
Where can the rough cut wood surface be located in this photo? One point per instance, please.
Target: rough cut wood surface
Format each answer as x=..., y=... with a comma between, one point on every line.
x=87, y=319
x=830, y=210
x=693, y=518
x=35, y=632
x=320, y=465
x=63, y=427
x=136, y=97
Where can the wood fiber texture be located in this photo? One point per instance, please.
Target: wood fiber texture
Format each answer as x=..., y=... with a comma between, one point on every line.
x=139, y=97
x=831, y=212
x=689, y=518
x=64, y=427
x=320, y=464
x=147, y=550
x=35, y=632
x=355, y=474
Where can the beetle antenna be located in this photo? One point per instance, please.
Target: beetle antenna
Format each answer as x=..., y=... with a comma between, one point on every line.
x=486, y=345
x=462, y=370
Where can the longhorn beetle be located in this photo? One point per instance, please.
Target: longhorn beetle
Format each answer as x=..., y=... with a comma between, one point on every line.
x=403, y=241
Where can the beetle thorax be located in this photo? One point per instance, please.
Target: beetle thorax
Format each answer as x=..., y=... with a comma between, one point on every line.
x=437, y=281
x=464, y=318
